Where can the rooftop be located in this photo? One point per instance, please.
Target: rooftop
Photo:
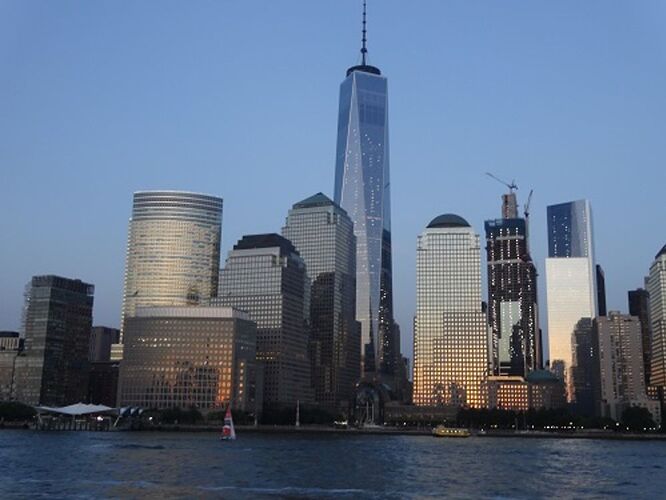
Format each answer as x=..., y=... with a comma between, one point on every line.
x=448, y=220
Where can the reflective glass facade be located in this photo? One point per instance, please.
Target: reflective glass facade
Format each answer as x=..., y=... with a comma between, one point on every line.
x=265, y=277
x=512, y=298
x=451, y=344
x=362, y=189
x=173, y=250
x=657, y=291
x=189, y=356
x=570, y=280
x=324, y=237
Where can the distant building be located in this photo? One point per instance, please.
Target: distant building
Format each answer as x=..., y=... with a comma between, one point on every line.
x=621, y=366
x=570, y=280
x=585, y=369
x=601, y=290
x=451, y=358
x=101, y=340
x=265, y=276
x=512, y=294
x=657, y=291
x=323, y=235
x=173, y=252
x=53, y=369
x=103, y=383
x=639, y=306
x=202, y=357
x=9, y=341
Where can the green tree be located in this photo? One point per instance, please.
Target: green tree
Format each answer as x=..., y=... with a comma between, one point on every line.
x=636, y=418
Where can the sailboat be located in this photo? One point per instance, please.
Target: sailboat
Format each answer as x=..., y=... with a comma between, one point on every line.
x=228, y=431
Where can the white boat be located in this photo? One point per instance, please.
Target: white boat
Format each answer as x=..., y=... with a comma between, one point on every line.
x=228, y=431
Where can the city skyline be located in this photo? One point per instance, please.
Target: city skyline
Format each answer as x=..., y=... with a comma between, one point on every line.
x=90, y=244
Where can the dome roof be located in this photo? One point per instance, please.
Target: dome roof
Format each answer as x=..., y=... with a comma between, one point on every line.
x=448, y=220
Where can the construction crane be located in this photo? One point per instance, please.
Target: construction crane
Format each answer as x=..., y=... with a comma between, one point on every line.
x=526, y=207
x=511, y=186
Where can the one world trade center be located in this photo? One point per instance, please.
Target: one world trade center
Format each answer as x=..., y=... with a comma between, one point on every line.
x=362, y=188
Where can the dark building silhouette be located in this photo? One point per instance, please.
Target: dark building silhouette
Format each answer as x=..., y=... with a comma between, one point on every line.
x=101, y=339
x=323, y=235
x=601, y=291
x=639, y=306
x=585, y=369
x=53, y=369
x=103, y=383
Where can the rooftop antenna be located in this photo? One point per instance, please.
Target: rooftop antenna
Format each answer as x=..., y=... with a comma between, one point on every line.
x=364, y=50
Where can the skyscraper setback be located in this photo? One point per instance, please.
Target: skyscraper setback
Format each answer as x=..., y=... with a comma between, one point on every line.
x=512, y=293
x=362, y=189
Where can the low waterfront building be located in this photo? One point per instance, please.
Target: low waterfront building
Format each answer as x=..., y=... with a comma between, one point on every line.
x=7, y=374
x=541, y=389
x=199, y=356
x=9, y=341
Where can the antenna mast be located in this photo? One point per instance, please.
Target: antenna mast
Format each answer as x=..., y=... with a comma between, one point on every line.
x=364, y=50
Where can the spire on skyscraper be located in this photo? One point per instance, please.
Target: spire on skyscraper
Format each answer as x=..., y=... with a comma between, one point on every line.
x=364, y=50
x=366, y=68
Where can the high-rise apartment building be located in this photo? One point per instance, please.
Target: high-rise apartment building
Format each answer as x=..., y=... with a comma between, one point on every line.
x=265, y=276
x=173, y=251
x=53, y=370
x=323, y=235
x=451, y=358
x=621, y=365
x=512, y=294
x=186, y=356
x=362, y=189
x=570, y=280
x=657, y=291
x=639, y=306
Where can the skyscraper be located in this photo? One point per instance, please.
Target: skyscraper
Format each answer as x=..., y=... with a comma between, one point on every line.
x=265, y=277
x=657, y=291
x=621, y=366
x=101, y=340
x=362, y=189
x=512, y=294
x=53, y=370
x=570, y=280
x=173, y=250
x=451, y=358
x=601, y=290
x=639, y=306
x=324, y=237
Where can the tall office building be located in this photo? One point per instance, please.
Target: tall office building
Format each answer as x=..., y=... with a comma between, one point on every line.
x=173, y=251
x=362, y=189
x=53, y=370
x=186, y=356
x=585, y=368
x=512, y=294
x=101, y=340
x=621, y=366
x=323, y=235
x=639, y=306
x=570, y=280
x=657, y=291
x=265, y=277
x=451, y=358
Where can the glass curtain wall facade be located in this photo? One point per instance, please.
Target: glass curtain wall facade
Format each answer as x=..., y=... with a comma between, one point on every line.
x=58, y=318
x=265, y=276
x=639, y=306
x=451, y=344
x=657, y=291
x=189, y=356
x=173, y=250
x=362, y=189
x=323, y=235
x=570, y=281
x=512, y=298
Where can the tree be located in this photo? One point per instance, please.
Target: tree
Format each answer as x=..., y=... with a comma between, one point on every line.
x=636, y=418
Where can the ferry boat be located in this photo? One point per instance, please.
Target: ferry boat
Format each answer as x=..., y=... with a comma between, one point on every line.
x=443, y=431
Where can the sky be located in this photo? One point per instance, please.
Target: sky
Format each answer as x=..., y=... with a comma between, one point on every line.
x=239, y=100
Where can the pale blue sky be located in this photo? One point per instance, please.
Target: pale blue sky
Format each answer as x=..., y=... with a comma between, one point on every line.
x=239, y=99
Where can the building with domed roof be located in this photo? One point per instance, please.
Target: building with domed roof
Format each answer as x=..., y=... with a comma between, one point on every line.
x=451, y=355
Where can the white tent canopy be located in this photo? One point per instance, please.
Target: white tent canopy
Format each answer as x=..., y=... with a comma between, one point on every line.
x=77, y=410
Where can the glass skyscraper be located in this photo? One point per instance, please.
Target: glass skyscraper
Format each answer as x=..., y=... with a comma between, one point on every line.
x=570, y=281
x=324, y=237
x=173, y=251
x=451, y=355
x=657, y=291
x=362, y=189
